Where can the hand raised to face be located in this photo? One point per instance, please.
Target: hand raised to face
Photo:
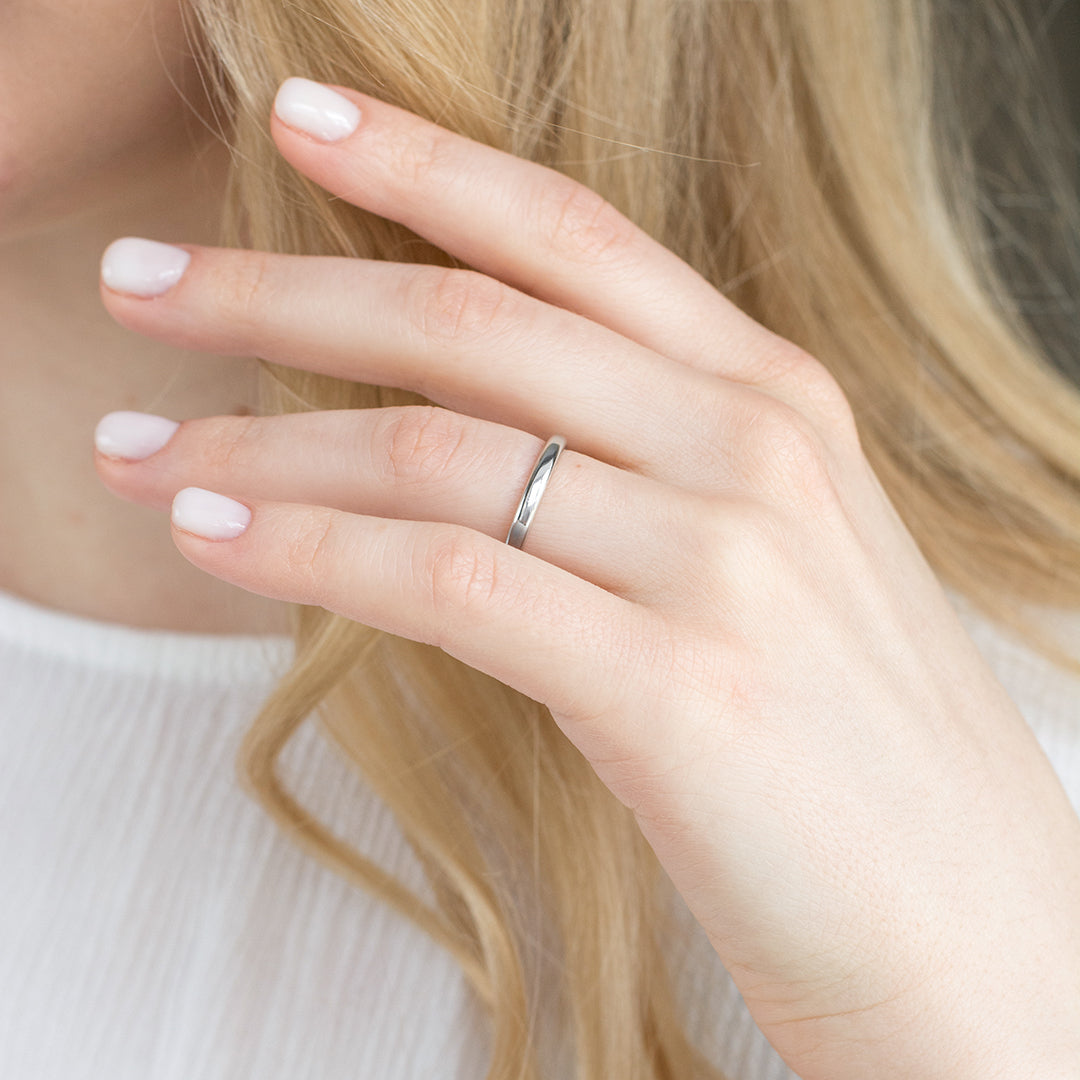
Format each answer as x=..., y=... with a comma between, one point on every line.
x=716, y=599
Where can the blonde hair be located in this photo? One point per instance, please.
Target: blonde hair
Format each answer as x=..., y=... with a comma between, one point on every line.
x=807, y=160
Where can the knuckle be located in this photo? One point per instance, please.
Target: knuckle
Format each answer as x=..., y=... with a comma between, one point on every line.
x=463, y=574
x=310, y=551
x=451, y=306
x=754, y=549
x=242, y=288
x=707, y=544
x=729, y=542
x=820, y=387
x=228, y=445
x=418, y=153
x=783, y=454
x=739, y=549
x=778, y=358
x=581, y=224
x=419, y=444
x=815, y=384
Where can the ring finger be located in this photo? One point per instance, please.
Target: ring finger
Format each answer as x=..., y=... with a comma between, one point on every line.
x=615, y=528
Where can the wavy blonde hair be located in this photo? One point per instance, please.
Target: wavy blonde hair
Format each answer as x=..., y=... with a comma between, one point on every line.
x=810, y=162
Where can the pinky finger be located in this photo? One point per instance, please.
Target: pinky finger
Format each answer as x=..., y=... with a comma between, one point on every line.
x=553, y=636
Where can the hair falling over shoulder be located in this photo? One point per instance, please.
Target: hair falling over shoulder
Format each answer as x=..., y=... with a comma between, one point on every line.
x=818, y=164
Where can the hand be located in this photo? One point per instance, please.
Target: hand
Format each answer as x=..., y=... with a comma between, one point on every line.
x=716, y=600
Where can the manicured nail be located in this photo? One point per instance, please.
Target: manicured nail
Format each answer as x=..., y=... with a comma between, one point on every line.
x=142, y=267
x=132, y=435
x=209, y=515
x=316, y=109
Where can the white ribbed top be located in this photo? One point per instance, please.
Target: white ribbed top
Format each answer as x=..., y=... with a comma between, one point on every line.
x=154, y=925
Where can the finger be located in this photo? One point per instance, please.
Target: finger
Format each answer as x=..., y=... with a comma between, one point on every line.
x=459, y=338
x=533, y=626
x=620, y=531
x=527, y=225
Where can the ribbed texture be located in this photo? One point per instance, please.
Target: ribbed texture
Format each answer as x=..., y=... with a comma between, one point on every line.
x=92, y=647
x=155, y=925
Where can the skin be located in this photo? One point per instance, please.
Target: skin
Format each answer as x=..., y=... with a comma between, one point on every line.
x=754, y=657
x=100, y=136
x=725, y=614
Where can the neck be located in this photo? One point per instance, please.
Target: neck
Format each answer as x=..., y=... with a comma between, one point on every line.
x=65, y=541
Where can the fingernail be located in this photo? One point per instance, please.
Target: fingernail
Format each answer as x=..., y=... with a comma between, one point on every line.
x=132, y=435
x=142, y=267
x=316, y=109
x=209, y=515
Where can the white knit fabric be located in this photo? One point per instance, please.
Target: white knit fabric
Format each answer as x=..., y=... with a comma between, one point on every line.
x=154, y=925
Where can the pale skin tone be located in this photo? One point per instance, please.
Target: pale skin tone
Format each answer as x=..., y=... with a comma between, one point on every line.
x=116, y=152
x=724, y=614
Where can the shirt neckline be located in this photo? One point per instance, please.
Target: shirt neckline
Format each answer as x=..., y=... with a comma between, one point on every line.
x=28, y=626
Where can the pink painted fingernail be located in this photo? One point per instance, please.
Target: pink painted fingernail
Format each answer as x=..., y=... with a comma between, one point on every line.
x=316, y=109
x=142, y=267
x=209, y=515
x=132, y=436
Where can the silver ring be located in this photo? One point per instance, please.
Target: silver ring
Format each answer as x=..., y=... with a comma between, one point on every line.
x=534, y=489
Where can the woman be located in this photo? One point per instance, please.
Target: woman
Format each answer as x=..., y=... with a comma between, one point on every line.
x=728, y=671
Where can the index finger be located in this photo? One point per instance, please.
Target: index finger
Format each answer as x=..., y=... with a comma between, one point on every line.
x=523, y=223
